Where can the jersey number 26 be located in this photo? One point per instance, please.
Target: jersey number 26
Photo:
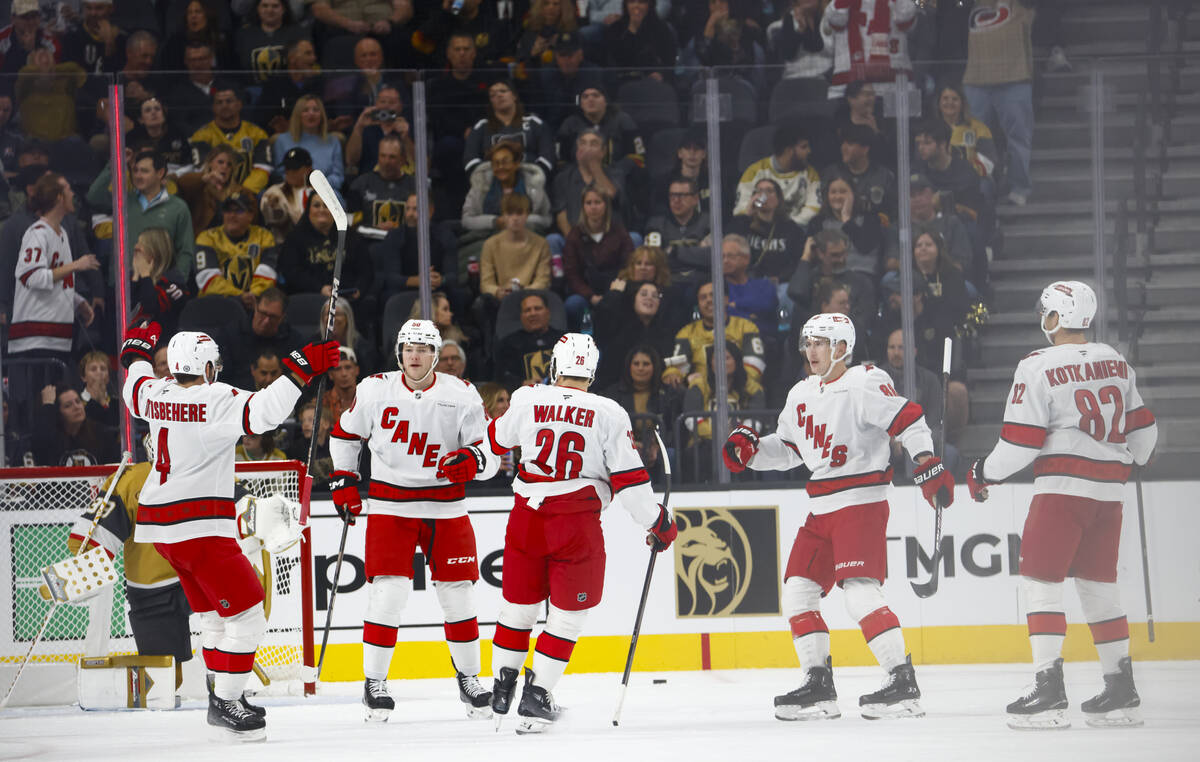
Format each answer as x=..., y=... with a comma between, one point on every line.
x=568, y=453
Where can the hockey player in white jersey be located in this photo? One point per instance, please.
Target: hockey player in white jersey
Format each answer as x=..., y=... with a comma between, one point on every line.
x=576, y=455
x=186, y=508
x=424, y=430
x=1074, y=412
x=838, y=422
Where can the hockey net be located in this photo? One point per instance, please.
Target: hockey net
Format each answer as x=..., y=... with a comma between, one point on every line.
x=37, y=508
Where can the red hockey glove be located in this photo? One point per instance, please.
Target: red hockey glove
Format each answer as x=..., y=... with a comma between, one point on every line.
x=936, y=483
x=311, y=360
x=664, y=531
x=739, y=448
x=139, y=343
x=977, y=485
x=461, y=465
x=343, y=485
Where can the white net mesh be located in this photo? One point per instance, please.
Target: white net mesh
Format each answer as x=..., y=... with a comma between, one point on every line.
x=36, y=512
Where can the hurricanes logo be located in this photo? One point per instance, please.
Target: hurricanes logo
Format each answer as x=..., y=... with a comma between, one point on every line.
x=713, y=563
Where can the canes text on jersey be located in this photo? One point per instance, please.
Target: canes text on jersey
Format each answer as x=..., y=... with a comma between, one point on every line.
x=816, y=433
x=417, y=441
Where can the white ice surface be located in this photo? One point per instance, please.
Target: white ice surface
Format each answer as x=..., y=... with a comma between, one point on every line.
x=719, y=715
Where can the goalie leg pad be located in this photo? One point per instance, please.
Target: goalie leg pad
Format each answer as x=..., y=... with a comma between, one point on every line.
x=126, y=682
x=235, y=651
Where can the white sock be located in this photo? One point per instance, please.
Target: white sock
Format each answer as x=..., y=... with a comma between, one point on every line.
x=461, y=627
x=555, y=644
x=386, y=598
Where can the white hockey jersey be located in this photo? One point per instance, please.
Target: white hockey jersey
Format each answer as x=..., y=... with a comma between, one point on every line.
x=572, y=440
x=1074, y=412
x=841, y=431
x=43, y=311
x=194, y=430
x=408, y=432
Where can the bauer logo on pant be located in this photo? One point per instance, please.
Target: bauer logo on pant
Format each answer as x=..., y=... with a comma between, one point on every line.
x=727, y=562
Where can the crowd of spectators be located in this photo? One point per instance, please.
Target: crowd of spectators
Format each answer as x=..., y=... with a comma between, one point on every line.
x=568, y=189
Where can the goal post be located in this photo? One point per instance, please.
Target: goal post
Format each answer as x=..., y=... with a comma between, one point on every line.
x=37, y=508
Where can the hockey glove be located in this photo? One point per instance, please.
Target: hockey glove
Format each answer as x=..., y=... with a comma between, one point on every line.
x=311, y=360
x=664, y=531
x=977, y=485
x=936, y=483
x=739, y=448
x=343, y=486
x=139, y=343
x=461, y=465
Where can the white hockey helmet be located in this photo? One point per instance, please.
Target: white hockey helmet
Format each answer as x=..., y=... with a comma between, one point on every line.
x=833, y=326
x=418, y=332
x=1073, y=301
x=190, y=352
x=574, y=355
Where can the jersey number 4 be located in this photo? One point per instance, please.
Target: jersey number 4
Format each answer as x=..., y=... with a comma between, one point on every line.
x=162, y=457
x=1092, y=418
x=567, y=450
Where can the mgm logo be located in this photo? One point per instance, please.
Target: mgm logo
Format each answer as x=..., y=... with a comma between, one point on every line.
x=727, y=562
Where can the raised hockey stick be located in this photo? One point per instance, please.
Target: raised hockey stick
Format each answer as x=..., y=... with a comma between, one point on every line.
x=126, y=458
x=637, y=622
x=321, y=185
x=1137, y=481
x=931, y=587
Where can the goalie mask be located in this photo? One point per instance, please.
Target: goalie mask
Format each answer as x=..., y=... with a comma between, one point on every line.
x=1073, y=301
x=832, y=326
x=419, y=332
x=190, y=352
x=574, y=355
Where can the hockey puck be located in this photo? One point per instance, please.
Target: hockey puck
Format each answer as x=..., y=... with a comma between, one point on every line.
x=660, y=681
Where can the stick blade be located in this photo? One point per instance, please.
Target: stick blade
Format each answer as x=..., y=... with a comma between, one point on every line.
x=321, y=185
x=927, y=589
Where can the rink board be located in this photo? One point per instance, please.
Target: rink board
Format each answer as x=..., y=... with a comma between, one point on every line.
x=718, y=607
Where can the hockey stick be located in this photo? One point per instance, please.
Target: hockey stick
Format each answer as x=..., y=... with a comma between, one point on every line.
x=125, y=460
x=321, y=185
x=931, y=587
x=1137, y=480
x=637, y=622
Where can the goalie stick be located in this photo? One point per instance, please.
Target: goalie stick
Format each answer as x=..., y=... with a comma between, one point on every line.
x=321, y=185
x=929, y=588
x=99, y=514
x=637, y=622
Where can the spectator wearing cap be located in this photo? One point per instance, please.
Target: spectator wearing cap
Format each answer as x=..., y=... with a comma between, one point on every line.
x=558, y=84
x=283, y=204
x=547, y=22
x=250, y=144
x=640, y=44
x=587, y=172
x=926, y=215
x=873, y=183
x=623, y=143
x=343, y=383
x=788, y=166
x=379, y=195
x=306, y=259
x=23, y=36
x=506, y=121
x=236, y=258
x=384, y=117
x=94, y=41
x=148, y=205
x=691, y=163
x=681, y=233
x=309, y=129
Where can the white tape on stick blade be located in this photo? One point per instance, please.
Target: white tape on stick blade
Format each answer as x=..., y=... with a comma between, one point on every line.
x=321, y=185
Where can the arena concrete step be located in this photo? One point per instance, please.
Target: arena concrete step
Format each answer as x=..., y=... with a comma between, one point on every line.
x=1161, y=345
x=1166, y=373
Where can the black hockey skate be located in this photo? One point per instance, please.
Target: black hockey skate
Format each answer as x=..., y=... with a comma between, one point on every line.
x=503, y=688
x=377, y=701
x=899, y=696
x=537, y=709
x=1044, y=706
x=1118, y=704
x=477, y=700
x=254, y=708
x=815, y=699
x=235, y=722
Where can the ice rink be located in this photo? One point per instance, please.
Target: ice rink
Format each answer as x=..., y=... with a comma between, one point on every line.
x=717, y=715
